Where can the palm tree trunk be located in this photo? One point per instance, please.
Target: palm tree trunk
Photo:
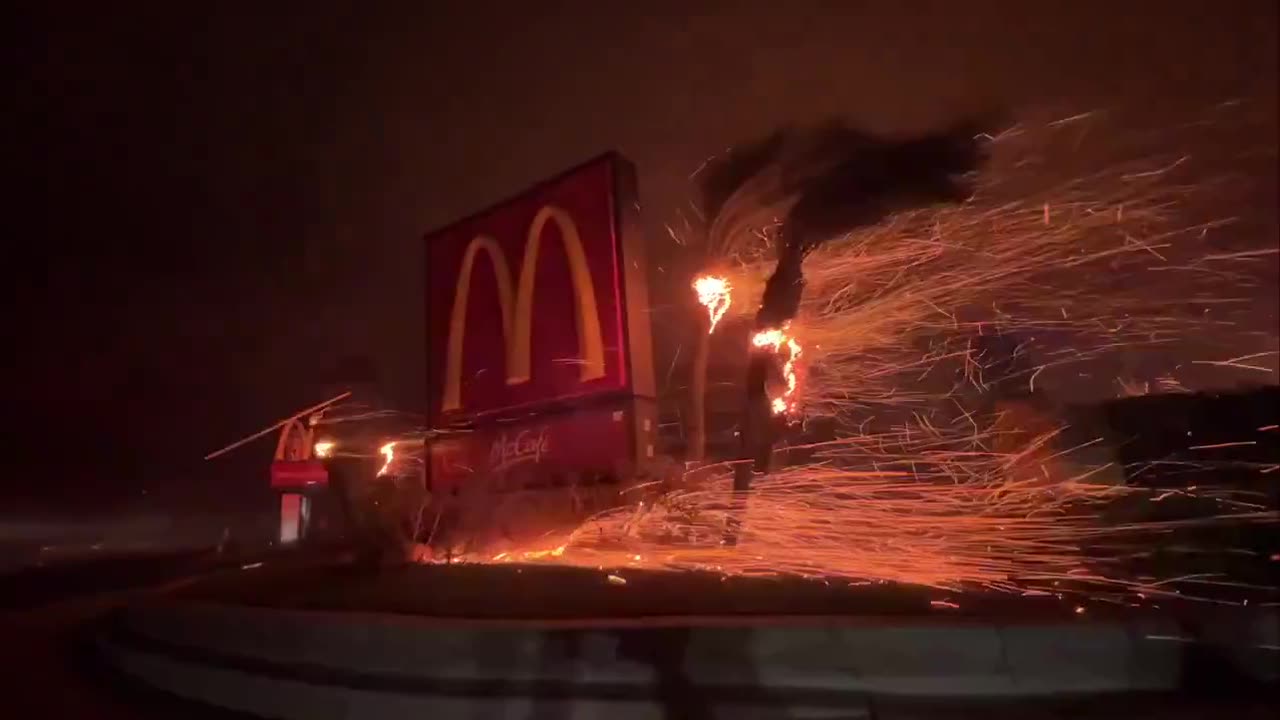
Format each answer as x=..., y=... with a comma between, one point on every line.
x=697, y=447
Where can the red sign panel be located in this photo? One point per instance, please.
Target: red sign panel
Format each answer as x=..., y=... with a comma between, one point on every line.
x=538, y=300
x=295, y=474
x=518, y=455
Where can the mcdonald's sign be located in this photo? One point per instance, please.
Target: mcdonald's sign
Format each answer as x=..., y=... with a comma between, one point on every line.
x=294, y=465
x=540, y=300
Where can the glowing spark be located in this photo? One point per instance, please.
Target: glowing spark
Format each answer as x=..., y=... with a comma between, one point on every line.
x=1223, y=445
x=944, y=604
x=1034, y=375
x=1235, y=362
x=617, y=580
x=1073, y=118
x=389, y=452
x=324, y=449
x=715, y=295
x=1244, y=254
x=1157, y=171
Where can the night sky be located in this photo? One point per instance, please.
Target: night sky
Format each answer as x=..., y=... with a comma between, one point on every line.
x=218, y=205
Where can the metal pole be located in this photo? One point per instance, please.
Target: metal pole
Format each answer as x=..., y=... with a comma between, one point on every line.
x=698, y=416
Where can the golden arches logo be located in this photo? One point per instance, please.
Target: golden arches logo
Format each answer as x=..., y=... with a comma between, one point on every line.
x=517, y=320
x=294, y=444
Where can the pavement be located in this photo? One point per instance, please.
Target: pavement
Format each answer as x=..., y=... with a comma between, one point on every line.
x=369, y=622
x=49, y=616
x=51, y=670
x=334, y=640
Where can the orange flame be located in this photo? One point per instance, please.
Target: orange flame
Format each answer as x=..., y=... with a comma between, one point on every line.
x=508, y=556
x=776, y=338
x=324, y=449
x=389, y=452
x=714, y=294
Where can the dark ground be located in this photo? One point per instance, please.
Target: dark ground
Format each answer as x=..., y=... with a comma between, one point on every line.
x=34, y=587
x=47, y=620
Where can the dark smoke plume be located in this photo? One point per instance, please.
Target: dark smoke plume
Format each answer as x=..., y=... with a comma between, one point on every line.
x=823, y=182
